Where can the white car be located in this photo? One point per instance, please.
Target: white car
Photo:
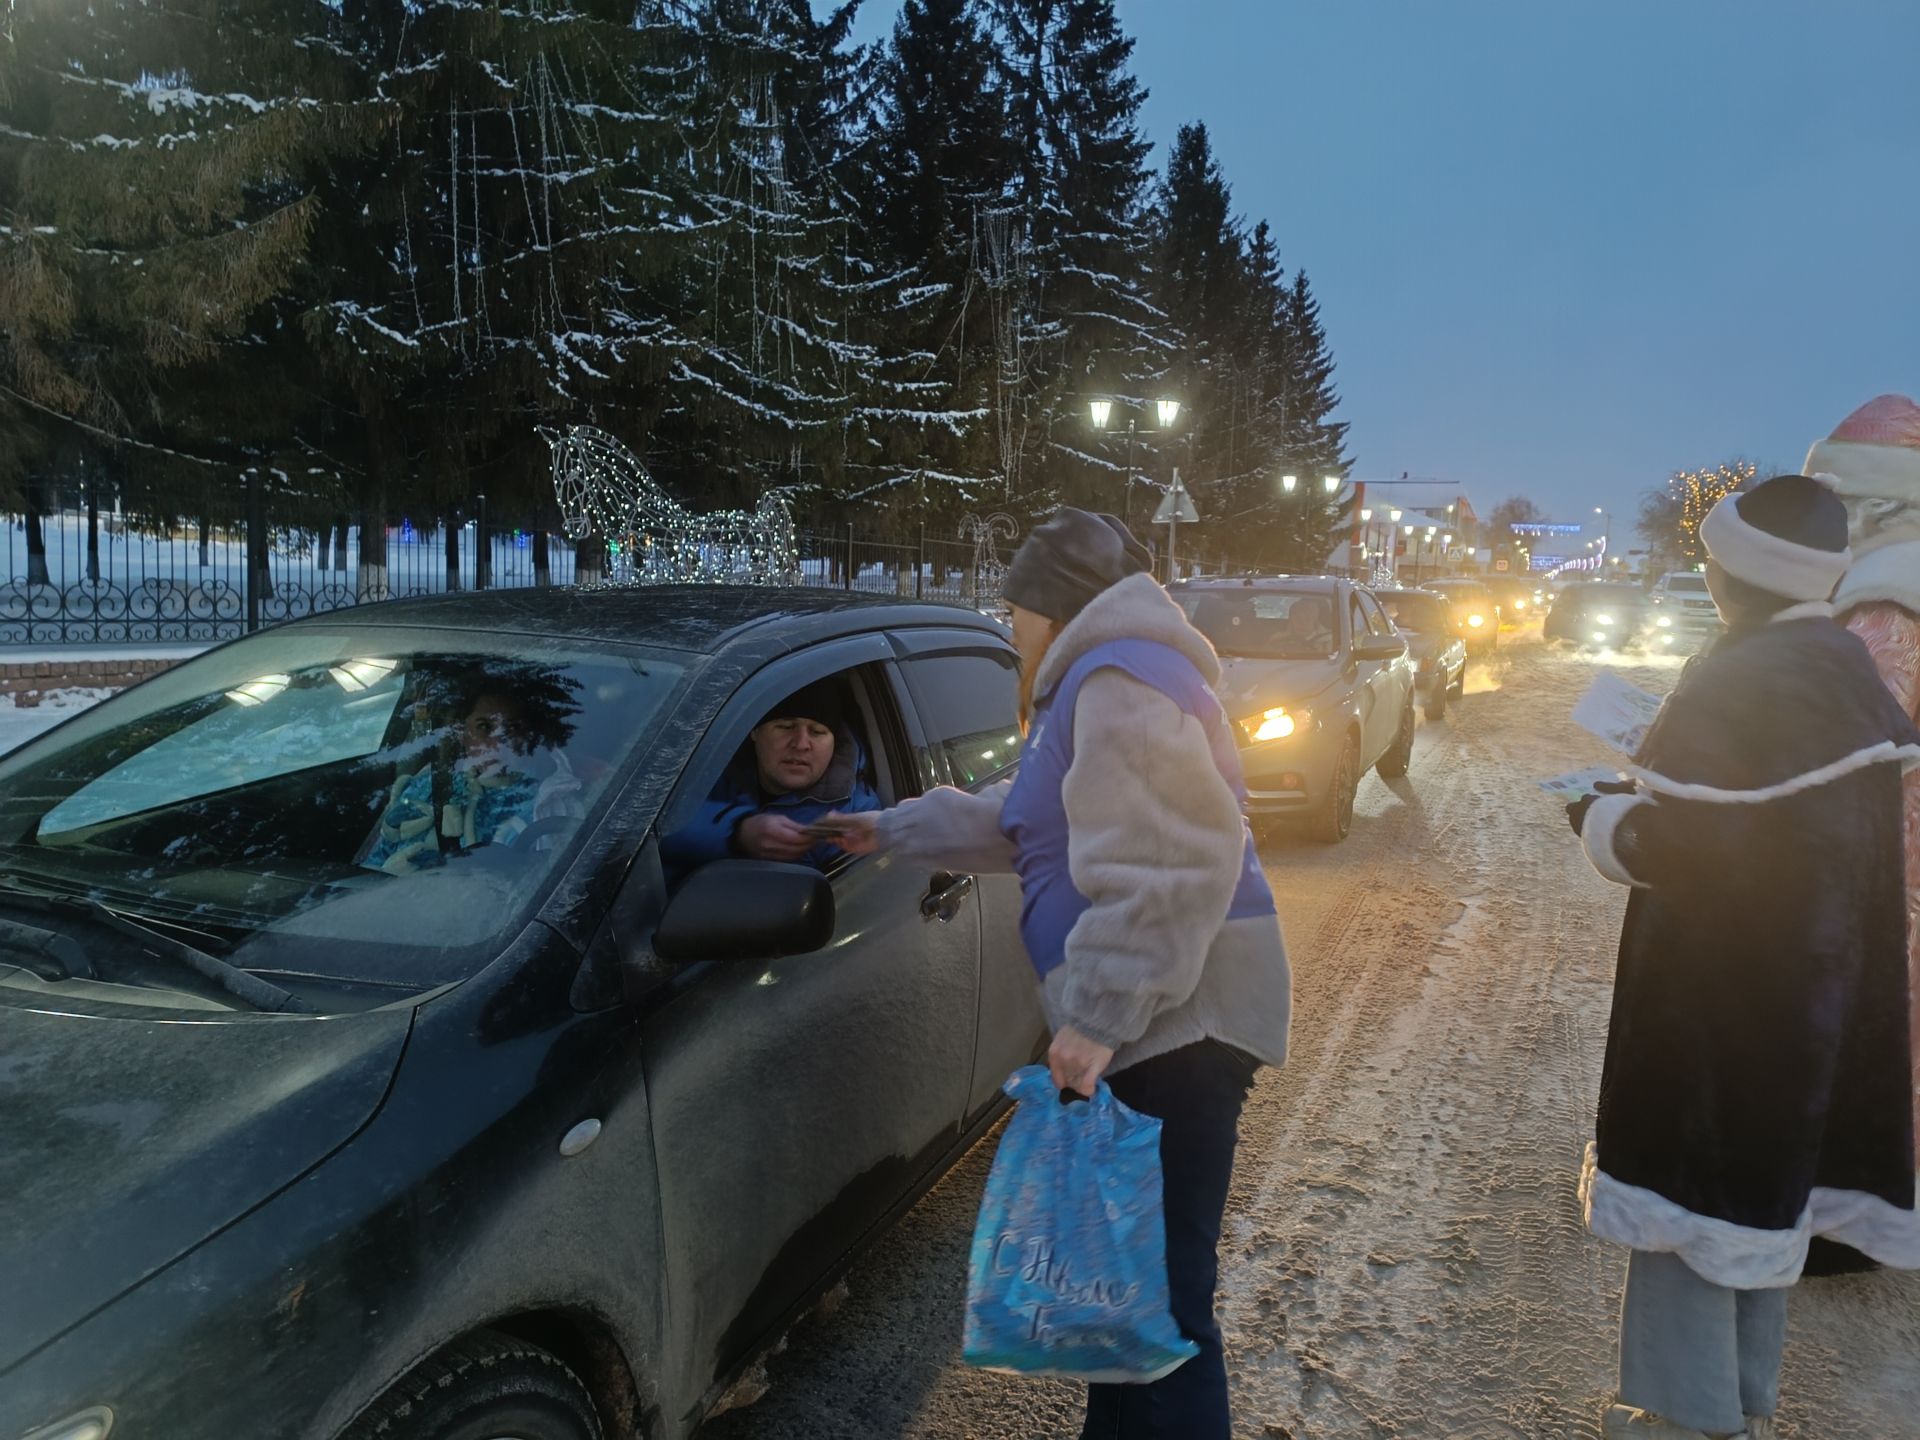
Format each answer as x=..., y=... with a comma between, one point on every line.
x=1683, y=607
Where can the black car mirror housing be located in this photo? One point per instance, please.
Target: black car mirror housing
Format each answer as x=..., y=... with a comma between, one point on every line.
x=746, y=910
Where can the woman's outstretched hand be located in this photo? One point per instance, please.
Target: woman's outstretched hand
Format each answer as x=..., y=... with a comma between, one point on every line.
x=1077, y=1063
x=855, y=834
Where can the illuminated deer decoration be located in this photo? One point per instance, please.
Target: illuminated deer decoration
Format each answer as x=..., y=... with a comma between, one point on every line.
x=603, y=489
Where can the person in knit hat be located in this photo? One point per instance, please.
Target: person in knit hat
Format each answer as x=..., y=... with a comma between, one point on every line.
x=1754, y=1088
x=1145, y=911
x=1872, y=461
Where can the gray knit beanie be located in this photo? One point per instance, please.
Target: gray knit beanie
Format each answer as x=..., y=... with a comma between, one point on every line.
x=1069, y=560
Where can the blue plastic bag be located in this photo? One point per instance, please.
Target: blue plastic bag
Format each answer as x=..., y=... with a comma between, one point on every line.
x=1068, y=1274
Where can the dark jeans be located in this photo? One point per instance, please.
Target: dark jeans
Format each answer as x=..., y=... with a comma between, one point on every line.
x=1196, y=1093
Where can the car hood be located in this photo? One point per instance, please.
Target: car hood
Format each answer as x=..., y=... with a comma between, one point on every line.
x=1247, y=685
x=128, y=1141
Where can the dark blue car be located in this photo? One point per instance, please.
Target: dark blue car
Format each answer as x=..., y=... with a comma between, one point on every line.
x=362, y=1075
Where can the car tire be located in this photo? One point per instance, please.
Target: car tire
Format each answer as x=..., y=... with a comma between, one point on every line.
x=1399, y=757
x=480, y=1387
x=1460, y=685
x=1436, y=707
x=1333, y=821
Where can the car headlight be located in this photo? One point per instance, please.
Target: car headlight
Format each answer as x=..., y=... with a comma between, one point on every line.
x=1474, y=622
x=94, y=1424
x=1600, y=635
x=1665, y=622
x=1603, y=619
x=1518, y=606
x=1276, y=724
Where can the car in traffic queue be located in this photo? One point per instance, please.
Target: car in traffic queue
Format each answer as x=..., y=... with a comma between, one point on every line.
x=1606, y=615
x=1475, y=613
x=331, y=1110
x=1319, y=684
x=1514, y=596
x=1684, y=606
x=1439, y=656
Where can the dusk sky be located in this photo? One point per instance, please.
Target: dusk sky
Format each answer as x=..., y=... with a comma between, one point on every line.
x=1564, y=250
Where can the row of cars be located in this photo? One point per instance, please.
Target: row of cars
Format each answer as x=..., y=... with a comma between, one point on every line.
x=1676, y=617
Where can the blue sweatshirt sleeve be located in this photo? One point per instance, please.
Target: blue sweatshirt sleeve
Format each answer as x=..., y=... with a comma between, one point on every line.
x=708, y=836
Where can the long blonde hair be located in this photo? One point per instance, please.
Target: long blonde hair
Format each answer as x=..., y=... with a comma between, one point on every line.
x=1029, y=669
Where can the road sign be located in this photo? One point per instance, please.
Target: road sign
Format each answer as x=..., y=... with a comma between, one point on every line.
x=1178, y=505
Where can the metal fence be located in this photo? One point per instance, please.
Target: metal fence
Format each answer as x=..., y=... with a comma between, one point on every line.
x=76, y=577
x=117, y=572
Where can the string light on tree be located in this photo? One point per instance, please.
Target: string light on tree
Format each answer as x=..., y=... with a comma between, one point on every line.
x=1698, y=491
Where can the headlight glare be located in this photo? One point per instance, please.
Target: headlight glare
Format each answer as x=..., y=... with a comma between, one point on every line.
x=1665, y=622
x=1276, y=724
x=1603, y=619
x=1474, y=622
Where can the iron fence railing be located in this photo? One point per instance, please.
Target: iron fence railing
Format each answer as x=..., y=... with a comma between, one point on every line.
x=104, y=576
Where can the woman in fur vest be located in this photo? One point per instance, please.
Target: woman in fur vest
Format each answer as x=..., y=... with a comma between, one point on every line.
x=1144, y=908
x=1757, y=1065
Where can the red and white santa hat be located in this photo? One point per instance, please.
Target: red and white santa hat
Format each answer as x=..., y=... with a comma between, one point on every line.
x=1873, y=452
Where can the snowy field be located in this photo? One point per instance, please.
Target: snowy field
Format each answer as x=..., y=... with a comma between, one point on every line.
x=1404, y=1255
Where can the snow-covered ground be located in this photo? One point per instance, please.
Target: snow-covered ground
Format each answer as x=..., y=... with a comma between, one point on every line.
x=20, y=723
x=1404, y=1255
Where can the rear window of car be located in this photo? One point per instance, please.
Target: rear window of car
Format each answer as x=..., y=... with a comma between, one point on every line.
x=1416, y=612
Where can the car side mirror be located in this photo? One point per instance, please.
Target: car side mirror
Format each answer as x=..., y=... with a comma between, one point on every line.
x=1377, y=649
x=746, y=910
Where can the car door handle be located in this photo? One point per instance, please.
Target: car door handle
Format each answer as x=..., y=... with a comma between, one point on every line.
x=946, y=893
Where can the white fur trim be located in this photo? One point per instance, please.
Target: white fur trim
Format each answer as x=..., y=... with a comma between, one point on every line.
x=1853, y=468
x=1137, y=608
x=1885, y=753
x=1597, y=835
x=1890, y=574
x=1805, y=610
x=1742, y=1257
x=1767, y=562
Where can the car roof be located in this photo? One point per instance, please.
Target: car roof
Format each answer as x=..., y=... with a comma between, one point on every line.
x=1419, y=591
x=1326, y=584
x=1454, y=582
x=699, y=619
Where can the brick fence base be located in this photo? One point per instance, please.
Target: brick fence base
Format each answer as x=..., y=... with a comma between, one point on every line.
x=28, y=682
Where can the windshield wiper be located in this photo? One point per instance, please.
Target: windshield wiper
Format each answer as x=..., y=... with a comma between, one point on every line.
x=60, y=958
x=260, y=994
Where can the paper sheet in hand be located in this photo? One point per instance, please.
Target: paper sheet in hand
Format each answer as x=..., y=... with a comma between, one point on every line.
x=1581, y=783
x=1617, y=712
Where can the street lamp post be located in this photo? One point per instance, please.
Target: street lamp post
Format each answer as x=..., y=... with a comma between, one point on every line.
x=1100, y=411
x=1607, y=544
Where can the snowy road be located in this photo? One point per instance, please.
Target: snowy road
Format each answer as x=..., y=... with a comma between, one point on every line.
x=1404, y=1255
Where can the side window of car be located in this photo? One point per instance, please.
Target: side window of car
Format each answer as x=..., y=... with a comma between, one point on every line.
x=970, y=705
x=832, y=744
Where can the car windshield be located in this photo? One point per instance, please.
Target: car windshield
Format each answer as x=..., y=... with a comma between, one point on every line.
x=1606, y=595
x=1687, y=584
x=1264, y=624
x=1418, y=613
x=357, y=809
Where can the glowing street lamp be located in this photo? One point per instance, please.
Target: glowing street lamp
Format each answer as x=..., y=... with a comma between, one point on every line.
x=1332, y=484
x=1288, y=482
x=1100, y=411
